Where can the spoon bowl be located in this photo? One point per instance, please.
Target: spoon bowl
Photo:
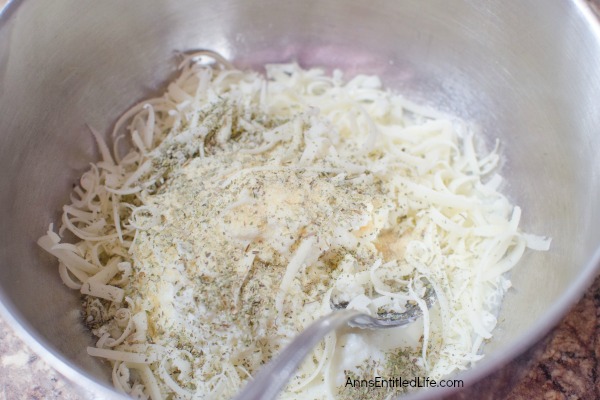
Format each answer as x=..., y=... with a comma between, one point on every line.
x=271, y=379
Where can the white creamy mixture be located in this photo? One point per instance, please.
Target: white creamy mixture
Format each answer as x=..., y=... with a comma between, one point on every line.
x=248, y=203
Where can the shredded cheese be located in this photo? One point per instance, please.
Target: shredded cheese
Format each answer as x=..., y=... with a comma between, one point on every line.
x=246, y=204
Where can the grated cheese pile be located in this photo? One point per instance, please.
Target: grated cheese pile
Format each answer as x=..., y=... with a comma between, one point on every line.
x=246, y=204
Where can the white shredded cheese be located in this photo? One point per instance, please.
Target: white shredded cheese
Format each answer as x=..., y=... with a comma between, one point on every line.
x=247, y=203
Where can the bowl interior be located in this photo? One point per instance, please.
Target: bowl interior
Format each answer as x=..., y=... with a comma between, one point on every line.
x=527, y=73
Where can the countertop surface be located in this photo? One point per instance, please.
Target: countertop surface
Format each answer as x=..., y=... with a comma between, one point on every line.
x=566, y=366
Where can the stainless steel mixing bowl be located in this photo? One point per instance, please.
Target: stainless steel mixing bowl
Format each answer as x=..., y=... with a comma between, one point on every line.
x=527, y=72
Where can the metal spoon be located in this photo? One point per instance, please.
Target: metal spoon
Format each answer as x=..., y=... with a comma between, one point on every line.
x=273, y=377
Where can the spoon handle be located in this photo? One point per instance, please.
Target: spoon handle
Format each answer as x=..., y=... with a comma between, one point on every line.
x=273, y=377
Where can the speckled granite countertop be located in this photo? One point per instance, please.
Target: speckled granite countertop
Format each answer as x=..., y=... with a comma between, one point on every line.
x=566, y=363
x=23, y=375
x=568, y=367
